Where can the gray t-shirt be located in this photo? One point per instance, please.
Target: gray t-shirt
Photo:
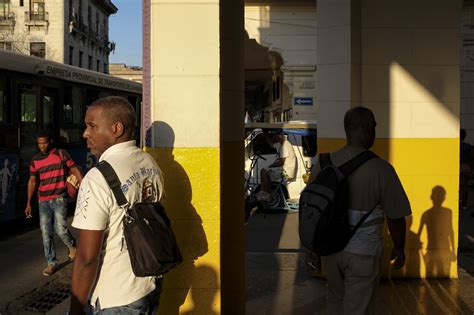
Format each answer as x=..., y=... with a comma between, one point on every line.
x=374, y=185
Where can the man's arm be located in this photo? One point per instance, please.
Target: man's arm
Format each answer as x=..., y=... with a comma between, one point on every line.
x=397, y=228
x=73, y=168
x=85, y=267
x=278, y=162
x=77, y=172
x=31, y=190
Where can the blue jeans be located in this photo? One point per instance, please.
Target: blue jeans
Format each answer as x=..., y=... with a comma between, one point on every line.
x=147, y=305
x=52, y=215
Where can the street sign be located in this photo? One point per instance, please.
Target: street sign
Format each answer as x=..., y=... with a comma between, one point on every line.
x=303, y=101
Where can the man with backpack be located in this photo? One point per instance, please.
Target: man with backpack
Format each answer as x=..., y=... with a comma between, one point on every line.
x=369, y=192
x=102, y=274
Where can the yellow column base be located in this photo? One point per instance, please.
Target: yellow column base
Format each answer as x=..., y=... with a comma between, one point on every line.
x=192, y=201
x=429, y=172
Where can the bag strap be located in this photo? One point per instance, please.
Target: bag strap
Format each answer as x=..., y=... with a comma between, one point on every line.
x=63, y=162
x=113, y=181
x=354, y=163
x=361, y=221
x=61, y=155
x=349, y=167
x=324, y=160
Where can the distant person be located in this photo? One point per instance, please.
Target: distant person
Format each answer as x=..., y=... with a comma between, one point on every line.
x=102, y=275
x=283, y=169
x=48, y=169
x=465, y=170
x=353, y=273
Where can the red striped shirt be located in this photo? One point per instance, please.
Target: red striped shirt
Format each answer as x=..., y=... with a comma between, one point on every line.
x=51, y=172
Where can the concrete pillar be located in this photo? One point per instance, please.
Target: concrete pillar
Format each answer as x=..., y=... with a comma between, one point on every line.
x=338, y=68
x=193, y=114
x=401, y=59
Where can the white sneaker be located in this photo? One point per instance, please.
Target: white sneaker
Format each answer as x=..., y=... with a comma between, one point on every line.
x=263, y=196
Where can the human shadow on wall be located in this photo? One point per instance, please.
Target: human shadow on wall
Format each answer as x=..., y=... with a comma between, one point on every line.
x=413, y=259
x=440, y=250
x=203, y=303
x=187, y=224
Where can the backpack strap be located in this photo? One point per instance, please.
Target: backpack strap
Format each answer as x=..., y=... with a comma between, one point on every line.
x=324, y=160
x=354, y=163
x=60, y=152
x=61, y=155
x=361, y=221
x=349, y=167
x=113, y=181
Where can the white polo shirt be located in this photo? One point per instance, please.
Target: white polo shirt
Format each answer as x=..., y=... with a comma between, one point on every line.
x=97, y=209
x=374, y=185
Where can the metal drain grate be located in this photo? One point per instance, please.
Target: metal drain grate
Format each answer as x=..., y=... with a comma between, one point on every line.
x=49, y=298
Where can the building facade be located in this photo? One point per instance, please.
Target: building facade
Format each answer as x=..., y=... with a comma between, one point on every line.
x=73, y=32
x=280, y=60
x=123, y=71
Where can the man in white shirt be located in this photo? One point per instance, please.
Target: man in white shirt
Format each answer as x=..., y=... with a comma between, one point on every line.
x=102, y=274
x=283, y=169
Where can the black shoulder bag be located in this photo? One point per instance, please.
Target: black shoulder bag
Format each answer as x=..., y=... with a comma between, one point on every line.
x=147, y=231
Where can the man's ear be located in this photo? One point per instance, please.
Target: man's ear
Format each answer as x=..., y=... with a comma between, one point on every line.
x=119, y=129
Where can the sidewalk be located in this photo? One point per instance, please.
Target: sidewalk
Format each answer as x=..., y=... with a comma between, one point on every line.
x=23, y=288
x=276, y=280
x=278, y=284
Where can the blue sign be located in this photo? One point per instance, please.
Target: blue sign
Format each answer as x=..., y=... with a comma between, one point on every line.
x=303, y=101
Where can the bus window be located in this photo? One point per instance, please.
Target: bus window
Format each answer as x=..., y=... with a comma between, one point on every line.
x=309, y=145
x=90, y=96
x=71, y=118
x=28, y=108
x=48, y=109
x=105, y=94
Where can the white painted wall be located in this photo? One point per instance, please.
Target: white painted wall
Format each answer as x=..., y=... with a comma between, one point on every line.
x=291, y=32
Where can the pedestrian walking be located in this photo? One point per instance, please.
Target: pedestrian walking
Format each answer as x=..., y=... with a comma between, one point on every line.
x=102, y=275
x=353, y=273
x=48, y=168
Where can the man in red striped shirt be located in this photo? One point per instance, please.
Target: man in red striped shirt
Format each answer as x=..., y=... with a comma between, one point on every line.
x=49, y=166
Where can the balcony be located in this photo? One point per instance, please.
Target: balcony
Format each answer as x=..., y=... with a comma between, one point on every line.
x=109, y=47
x=77, y=26
x=7, y=22
x=37, y=20
x=94, y=37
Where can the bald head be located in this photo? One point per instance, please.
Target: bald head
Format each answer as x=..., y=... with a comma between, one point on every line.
x=359, y=124
x=118, y=109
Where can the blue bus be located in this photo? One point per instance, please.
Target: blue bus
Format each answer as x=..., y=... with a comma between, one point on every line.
x=38, y=94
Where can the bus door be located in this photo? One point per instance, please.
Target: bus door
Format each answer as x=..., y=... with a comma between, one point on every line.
x=8, y=151
x=36, y=111
x=27, y=98
x=48, y=111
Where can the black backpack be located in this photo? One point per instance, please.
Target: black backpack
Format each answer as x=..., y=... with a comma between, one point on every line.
x=323, y=208
x=147, y=231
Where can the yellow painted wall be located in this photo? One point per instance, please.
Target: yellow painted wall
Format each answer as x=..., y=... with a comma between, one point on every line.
x=196, y=85
x=410, y=79
x=428, y=168
x=195, y=211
